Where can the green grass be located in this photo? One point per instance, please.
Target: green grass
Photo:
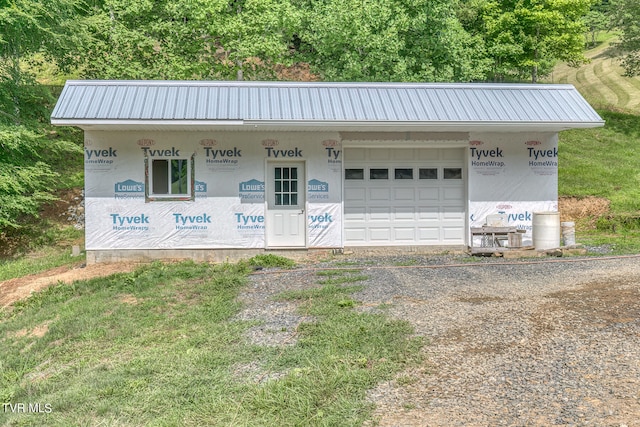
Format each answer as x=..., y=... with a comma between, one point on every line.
x=601, y=80
x=49, y=249
x=619, y=242
x=37, y=262
x=272, y=260
x=161, y=346
x=603, y=162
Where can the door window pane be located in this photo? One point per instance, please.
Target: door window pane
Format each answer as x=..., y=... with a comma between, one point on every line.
x=286, y=186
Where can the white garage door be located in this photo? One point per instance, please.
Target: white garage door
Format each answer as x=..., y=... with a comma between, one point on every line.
x=406, y=196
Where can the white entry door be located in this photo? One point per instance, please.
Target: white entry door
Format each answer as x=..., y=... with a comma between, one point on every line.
x=286, y=218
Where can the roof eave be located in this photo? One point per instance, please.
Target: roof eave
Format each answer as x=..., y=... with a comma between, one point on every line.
x=300, y=125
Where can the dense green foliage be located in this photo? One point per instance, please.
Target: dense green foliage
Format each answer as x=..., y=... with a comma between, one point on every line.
x=25, y=179
x=626, y=15
x=387, y=40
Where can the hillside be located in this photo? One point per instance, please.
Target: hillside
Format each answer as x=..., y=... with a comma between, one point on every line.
x=601, y=81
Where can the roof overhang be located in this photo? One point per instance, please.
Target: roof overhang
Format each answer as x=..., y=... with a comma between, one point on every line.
x=339, y=126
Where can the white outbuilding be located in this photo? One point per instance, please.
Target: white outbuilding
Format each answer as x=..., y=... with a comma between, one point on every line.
x=212, y=169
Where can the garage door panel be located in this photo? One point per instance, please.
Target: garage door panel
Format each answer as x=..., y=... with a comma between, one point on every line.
x=404, y=213
x=379, y=154
x=380, y=213
x=429, y=234
x=404, y=234
x=429, y=213
x=453, y=193
x=454, y=213
x=404, y=194
x=452, y=233
x=356, y=234
x=354, y=214
x=380, y=234
x=380, y=194
x=403, y=154
x=428, y=194
x=354, y=194
x=355, y=154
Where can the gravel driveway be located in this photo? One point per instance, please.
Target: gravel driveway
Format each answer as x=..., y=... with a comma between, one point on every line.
x=553, y=342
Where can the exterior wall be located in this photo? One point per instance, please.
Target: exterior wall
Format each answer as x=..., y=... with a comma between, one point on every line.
x=513, y=174
x=229, y=206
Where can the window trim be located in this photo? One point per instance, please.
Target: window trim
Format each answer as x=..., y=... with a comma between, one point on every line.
x=189, y=196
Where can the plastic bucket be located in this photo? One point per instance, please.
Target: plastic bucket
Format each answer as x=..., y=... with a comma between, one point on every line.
x=568, y=233
x=546, y=230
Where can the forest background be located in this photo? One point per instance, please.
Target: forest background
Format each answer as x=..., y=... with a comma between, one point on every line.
x=45, y=42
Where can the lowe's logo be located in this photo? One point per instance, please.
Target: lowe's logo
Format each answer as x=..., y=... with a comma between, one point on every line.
x=129, y=186
x=251, y=186
x=105, y=156
x=192, y=222
x=129, y=222
x=318, y=190
x=200, y=187
x=251, y=191
x=129, y=189
x=315, y=185
x=273, y=152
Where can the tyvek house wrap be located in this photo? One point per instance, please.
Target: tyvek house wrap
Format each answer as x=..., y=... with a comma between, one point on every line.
x=514, y=175
x=229, y=206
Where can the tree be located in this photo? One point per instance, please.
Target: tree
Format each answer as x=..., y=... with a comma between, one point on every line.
x=527, y=37
x=188, y=39
x=46, y=26
x=29, y=27
x=402, y=40
x=595, y=22
x=26, y=179
x=626, y=16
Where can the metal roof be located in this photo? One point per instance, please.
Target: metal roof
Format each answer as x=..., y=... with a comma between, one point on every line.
x=300, y=105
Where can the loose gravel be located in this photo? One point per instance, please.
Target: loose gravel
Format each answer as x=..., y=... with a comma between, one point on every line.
x=551, y=342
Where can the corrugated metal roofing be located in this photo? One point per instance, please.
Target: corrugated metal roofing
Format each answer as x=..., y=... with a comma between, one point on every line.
x=309, y=103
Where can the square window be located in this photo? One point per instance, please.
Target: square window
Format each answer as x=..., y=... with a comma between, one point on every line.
x=378, y=173
x=405, y=173
x=428, y=173
x=354, y=174
x=452, y=173
x=169, y=178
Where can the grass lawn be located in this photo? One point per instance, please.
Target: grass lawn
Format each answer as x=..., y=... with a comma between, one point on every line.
x=161, y=346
